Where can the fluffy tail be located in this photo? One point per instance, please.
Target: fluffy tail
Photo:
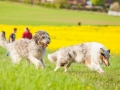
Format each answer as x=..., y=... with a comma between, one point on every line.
x=52, y=57
x=3, y=41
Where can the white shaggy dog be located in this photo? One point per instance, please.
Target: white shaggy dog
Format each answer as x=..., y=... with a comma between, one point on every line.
x=92, y=54
x=32, y=50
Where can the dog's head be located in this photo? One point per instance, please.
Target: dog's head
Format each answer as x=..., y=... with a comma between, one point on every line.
x=105, y=55
x=42, y=38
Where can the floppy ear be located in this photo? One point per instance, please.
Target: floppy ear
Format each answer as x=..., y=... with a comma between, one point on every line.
x=102, y=51
x=35, y=39
x=3, y=32
x=108, y=51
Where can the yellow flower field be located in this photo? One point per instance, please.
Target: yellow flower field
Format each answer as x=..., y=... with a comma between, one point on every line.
x=62, y=36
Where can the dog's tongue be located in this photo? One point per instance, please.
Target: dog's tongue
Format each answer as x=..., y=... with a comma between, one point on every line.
x=45, y=45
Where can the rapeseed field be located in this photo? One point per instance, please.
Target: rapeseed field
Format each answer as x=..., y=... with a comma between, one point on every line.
x=62, y=36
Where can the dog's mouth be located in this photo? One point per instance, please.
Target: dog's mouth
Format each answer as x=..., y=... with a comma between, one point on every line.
x=45, y=45
x=106, y=63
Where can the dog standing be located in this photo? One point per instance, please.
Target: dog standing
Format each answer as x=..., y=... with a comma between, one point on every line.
x=32, y=50
x=92, y=54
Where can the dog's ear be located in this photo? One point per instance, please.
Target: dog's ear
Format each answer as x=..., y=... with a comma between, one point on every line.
x=3, y=32
x=102, y=52
x=108, y=51
x=35, y=37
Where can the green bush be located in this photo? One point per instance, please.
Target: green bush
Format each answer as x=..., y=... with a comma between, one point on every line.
x=11, y=0
x=49, y=5
x=67, y=6
x=79, y=6
x=60, y=3
x=28, y=1
x=98, y=2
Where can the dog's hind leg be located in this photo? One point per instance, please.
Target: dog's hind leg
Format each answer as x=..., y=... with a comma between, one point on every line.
x=28, y=62
x=67, y=66
x=35, y=61
x=58, y=65
x=15, y=58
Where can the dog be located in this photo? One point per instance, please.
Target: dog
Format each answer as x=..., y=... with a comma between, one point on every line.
x=32, y=50
x=92, y=54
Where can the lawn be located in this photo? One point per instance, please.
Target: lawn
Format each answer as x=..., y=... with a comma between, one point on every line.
x=23, y=14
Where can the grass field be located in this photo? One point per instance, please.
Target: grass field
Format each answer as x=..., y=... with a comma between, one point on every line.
x=78, y=77
x=22, y=14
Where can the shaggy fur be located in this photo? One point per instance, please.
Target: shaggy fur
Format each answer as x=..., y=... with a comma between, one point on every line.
x=32, y=50
x=92, y=54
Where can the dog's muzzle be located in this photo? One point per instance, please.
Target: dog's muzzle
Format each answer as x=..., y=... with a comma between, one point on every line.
x=46, y=44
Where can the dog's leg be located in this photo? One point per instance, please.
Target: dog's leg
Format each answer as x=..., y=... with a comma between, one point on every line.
x=99, y=70
x=43, y=65
x=95, y=67
x=67, y=66
x=56, y=69
x=58, y=65
x=35, y=61
x=15, y=58
x=28, y=62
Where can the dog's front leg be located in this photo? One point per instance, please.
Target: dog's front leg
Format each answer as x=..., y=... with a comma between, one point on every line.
x=100, y=70
x=43, y=65
x=57, y=67
x=35, y=61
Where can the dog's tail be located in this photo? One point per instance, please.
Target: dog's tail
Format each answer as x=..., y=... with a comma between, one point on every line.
x=3, y=41
x=52, y=57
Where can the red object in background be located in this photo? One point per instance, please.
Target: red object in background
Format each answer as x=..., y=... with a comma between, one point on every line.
x=27, y=34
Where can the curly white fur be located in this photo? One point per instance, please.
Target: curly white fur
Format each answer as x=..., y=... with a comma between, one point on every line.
x=32, y=50
x=92, y=54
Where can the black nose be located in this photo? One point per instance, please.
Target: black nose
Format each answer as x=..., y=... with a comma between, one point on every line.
x=48, y=42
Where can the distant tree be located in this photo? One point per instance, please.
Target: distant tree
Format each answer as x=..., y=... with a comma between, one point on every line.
x=60, y=3
x=98, y=2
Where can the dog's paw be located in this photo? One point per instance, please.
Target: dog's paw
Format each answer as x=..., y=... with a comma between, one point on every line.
x=101, y=72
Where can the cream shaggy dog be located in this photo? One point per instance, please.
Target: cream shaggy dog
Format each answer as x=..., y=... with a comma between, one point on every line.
x=32, y=50
x=92, y=54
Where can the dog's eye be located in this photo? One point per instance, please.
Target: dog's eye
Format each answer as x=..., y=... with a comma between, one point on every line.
x=43, y=37
x=106, y=57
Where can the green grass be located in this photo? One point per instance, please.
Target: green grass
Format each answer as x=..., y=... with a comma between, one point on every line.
x=78, y=77
x=24, y=14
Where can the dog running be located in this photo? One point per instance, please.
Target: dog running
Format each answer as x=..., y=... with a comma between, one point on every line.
x=92, y=54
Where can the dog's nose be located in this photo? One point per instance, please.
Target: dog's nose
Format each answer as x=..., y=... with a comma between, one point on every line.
x=48, y=42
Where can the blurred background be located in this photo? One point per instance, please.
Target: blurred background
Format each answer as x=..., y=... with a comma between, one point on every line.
x=60, y=12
